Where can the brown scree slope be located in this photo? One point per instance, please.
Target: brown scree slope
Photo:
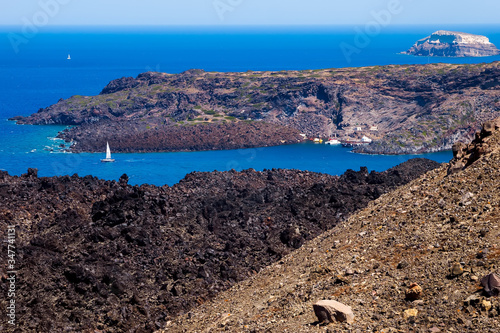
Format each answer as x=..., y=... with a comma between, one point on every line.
x=412, y=235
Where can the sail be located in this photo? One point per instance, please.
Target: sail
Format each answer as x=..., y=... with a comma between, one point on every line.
x=108, y=151
x=108, y=154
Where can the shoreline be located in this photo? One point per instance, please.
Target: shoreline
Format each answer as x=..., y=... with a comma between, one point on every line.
x=70, y=146
x=400, y=108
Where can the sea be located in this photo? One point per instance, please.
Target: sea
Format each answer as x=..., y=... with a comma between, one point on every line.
x=35, y=73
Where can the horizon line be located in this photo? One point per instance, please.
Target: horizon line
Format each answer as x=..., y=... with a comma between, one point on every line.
x=243, y=25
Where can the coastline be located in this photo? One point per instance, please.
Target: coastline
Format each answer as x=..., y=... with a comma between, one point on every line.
x=136, y=138
x=399, y=109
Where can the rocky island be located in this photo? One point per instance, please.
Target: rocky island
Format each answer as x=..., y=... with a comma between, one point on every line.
x=444, y=43
x=404, y=109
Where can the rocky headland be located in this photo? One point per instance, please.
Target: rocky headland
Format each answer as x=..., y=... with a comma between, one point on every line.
x=423, y=258
x=444, y=43
x=139, y=137
x=404, y=109
x=95, y=255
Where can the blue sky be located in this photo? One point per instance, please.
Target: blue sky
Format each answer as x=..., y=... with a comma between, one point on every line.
x=246, y=12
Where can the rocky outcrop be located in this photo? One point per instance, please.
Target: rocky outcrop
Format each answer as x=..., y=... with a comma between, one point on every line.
x=103, y=255
x=453, y=44
x=464, y=155
x=434, y=239
x=415, y=109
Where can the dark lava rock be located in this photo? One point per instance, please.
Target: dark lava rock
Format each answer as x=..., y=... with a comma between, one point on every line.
x=139, y=137
x=102, y=255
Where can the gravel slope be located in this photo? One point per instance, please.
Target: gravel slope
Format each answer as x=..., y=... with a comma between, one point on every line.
x=415, y=234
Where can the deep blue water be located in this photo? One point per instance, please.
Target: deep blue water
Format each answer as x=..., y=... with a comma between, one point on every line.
x=169, y=168
x=38, y=74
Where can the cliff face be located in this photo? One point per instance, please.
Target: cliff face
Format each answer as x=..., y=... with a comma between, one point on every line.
x=415, y=108
x=438, y=234
x=453, y=44
x=103, y=255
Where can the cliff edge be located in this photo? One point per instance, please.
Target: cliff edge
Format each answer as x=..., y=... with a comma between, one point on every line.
x=444, y=43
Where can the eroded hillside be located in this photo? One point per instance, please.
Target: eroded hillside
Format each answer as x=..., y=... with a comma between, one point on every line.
x=440, y=232
x=418, y=108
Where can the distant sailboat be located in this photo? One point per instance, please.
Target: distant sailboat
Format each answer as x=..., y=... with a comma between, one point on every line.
x=108, y=154
x=69, y=57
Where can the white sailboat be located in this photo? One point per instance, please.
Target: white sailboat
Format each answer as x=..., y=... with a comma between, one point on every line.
x=108, y=154
x=69, y=57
